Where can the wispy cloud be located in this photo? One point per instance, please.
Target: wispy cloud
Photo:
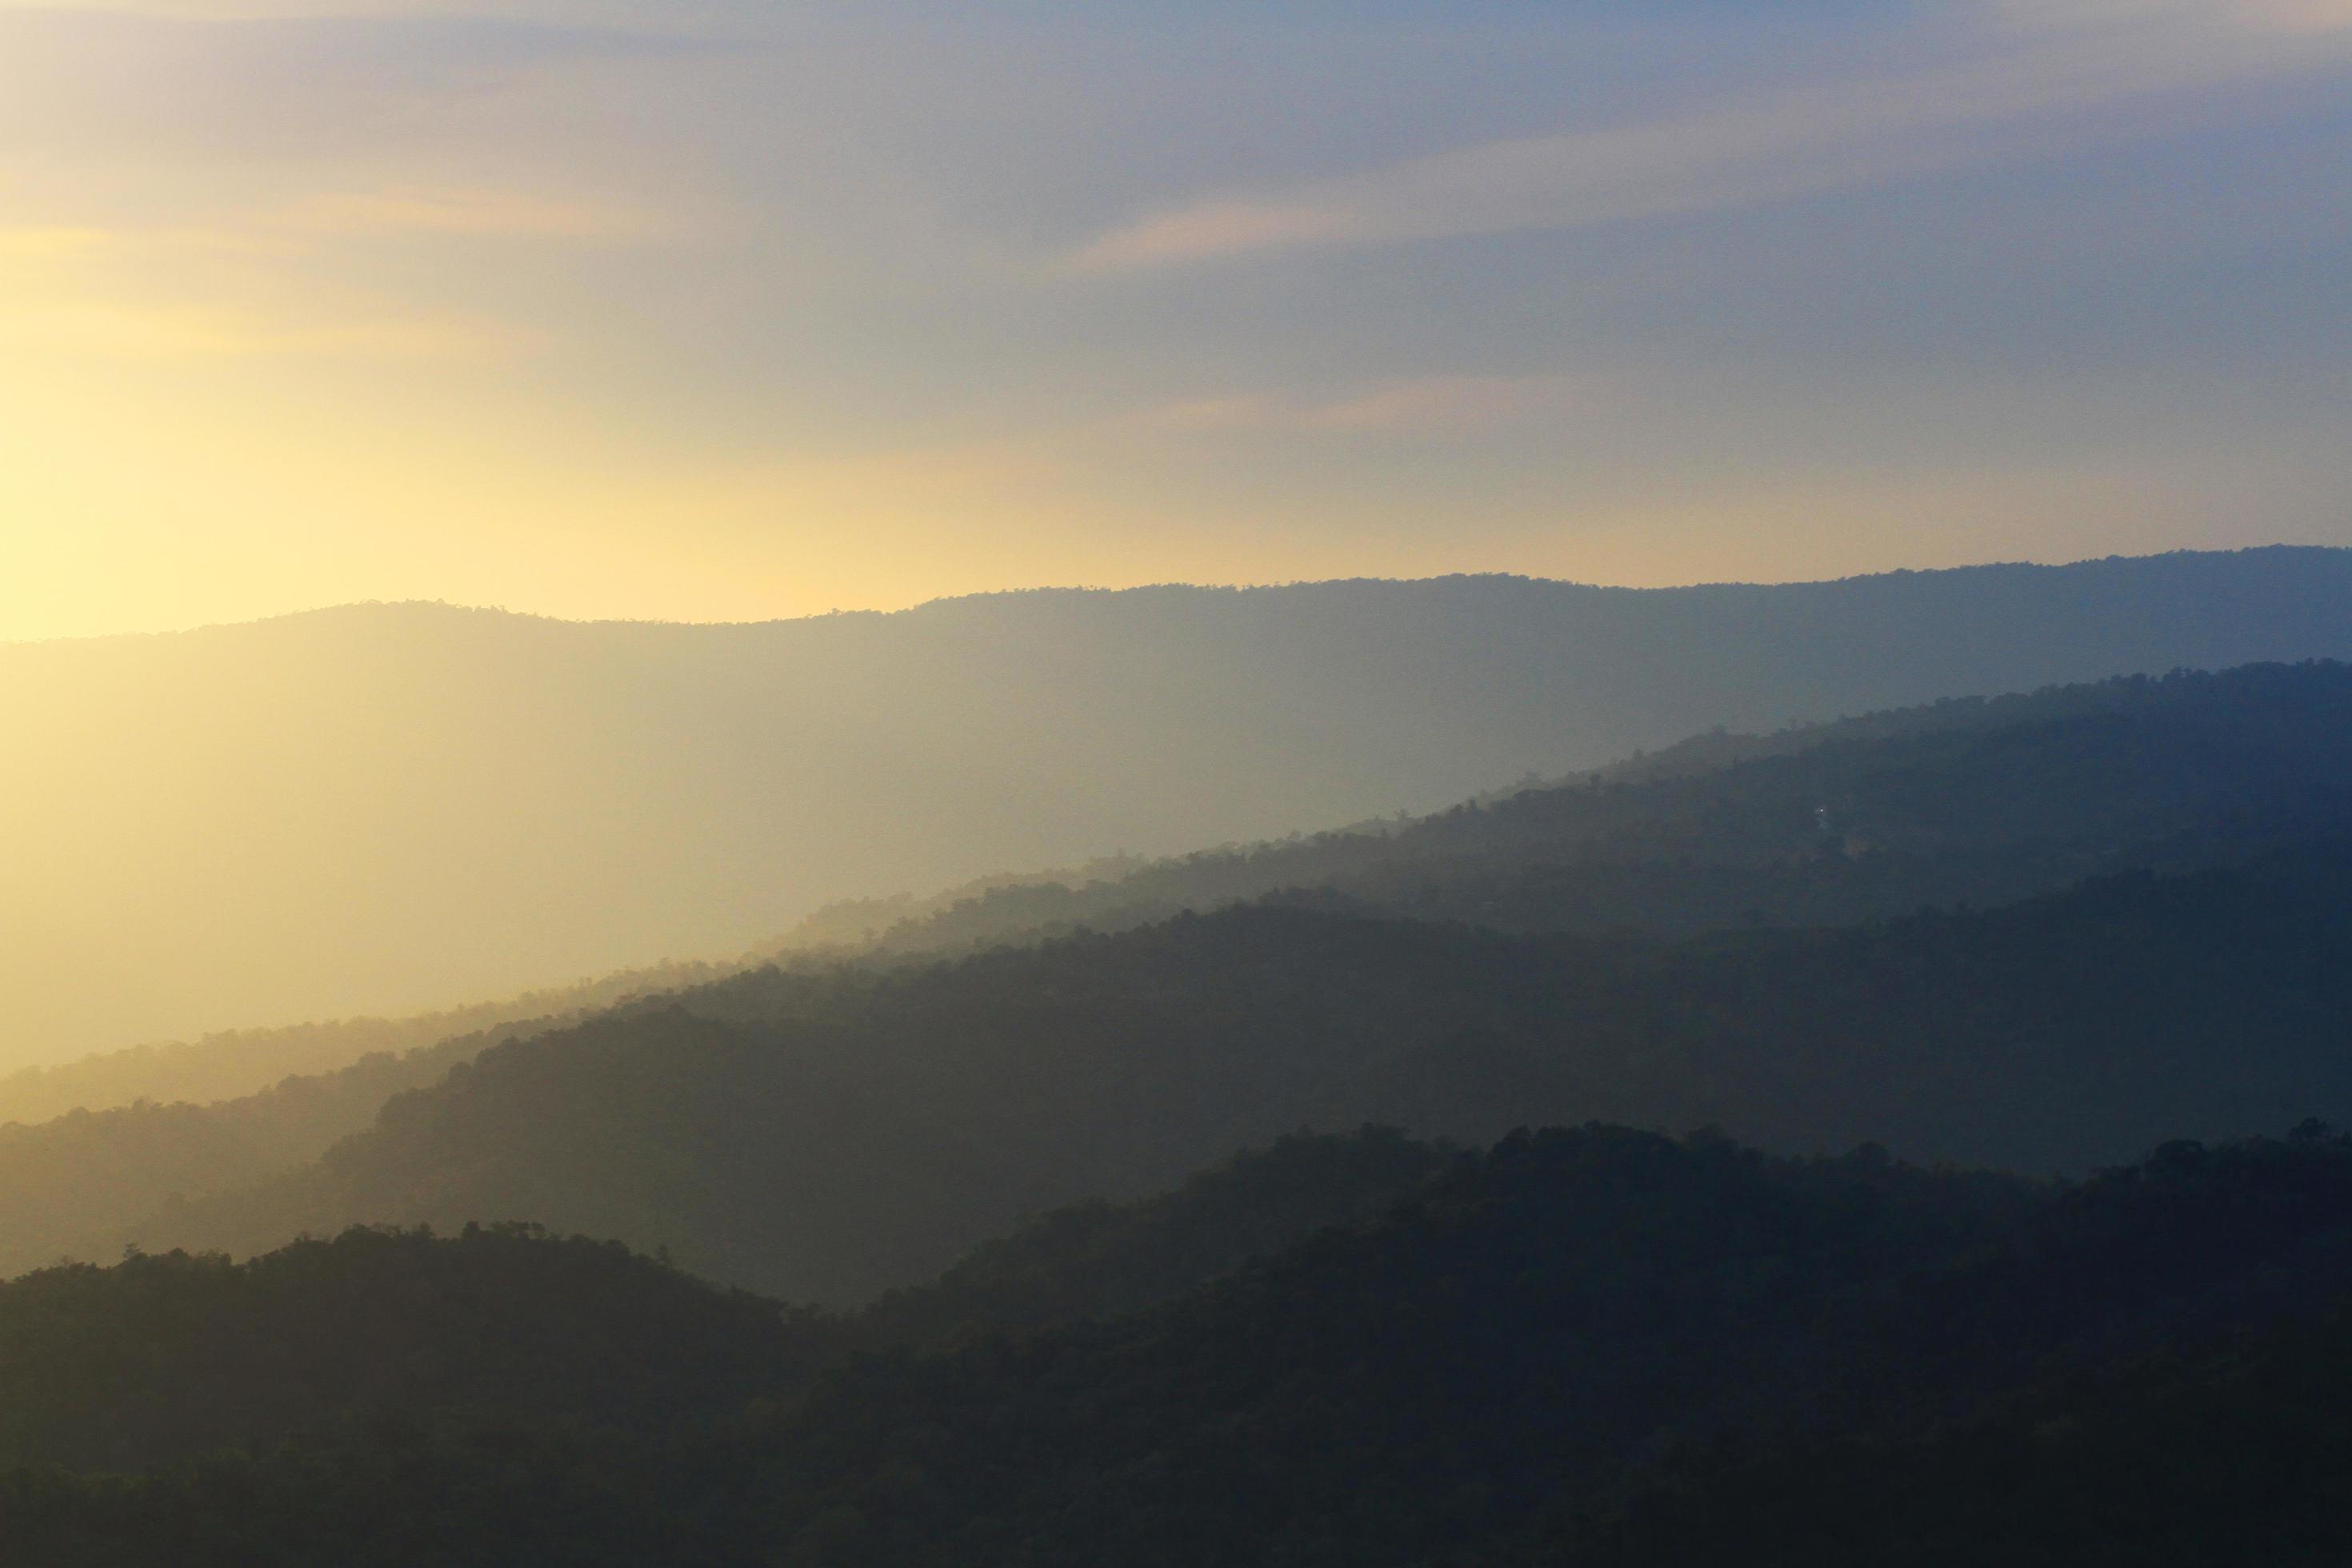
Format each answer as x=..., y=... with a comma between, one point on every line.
x=181, y=190
x=261, y=286
x=2274, y=15
x=2084, y=62
x=159, y=331
x=121, y=295
x=357, y=213
x=477, y=214
x=1435, y=405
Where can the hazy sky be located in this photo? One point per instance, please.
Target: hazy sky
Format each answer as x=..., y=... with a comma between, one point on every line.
x=729, y=309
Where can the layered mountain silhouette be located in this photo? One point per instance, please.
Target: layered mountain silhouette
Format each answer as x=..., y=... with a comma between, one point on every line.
x=921, y=1238
x=1968, y=800
x=2159, y=947
x=234, y=1063
x=828, y=1138
x=386, y=808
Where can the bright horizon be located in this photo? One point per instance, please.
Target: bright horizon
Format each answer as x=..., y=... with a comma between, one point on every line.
x=737, y=311
x=525, y=614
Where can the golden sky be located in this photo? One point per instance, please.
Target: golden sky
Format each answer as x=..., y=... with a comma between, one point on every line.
x=735, y=311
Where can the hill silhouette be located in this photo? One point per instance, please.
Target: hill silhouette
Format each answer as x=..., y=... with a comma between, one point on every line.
x=827, y=1137
x=1966, y=800
x=831, y=1130
x=382, y=809
x=1594, y=1344
x=1984, y=799
x=237, y=1063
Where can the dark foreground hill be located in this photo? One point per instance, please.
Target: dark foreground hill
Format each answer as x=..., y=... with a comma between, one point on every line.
x=829, y=1136
x=1593, y=1341
x=170, y=1356
x=384, y=808
x=2239, y=1454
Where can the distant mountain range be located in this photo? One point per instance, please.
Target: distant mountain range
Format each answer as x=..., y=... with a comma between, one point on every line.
x=827, y=1140
x=388, y=808
x=1898, y=1197
x=2159, y=947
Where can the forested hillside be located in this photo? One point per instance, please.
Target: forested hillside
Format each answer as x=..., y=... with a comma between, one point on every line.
x=1968, y=800
x=169, y=1356
x=2235, y=1451
x=712, y=854
x=961, y=1098
x=68, y=1186
x=385, y=809
x=1975, y=799
x=1588, y=1346
x=1098, y=1259
x=1542, y=1330
x=237, y=1063
x=830, y=1136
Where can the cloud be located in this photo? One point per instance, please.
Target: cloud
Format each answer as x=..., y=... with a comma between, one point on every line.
x=302, y=223
x=2277, y=15
x=482, y=213
x=1435, y=405
x=2042, y=75
x=128, y=296
x=1444, y=403
x=188, y=91
x=249, y=287
x=1223, y=229
x=131, y=331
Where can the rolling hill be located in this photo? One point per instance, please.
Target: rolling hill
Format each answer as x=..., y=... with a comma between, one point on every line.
x=831, y=1136
x=833, y=1129
x=1594, y=1344
x=1973, y=800
x=382, y=809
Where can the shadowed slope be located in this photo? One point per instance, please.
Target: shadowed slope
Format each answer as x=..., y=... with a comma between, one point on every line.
x=827, y=1137
x=1535, y=1336
x=883, y=1108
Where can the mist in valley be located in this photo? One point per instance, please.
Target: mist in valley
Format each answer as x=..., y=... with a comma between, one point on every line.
x=383, y=810
x=889, y=785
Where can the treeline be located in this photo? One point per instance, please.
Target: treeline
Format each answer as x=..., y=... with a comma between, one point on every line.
x=2233, y=1451
x=407, y=803
x=1971, y=800
x=1592, y=1346
x=174, y=1355
x=1979, y=802
x=829, y=1137
x=237, y=1063
x=69, y=1185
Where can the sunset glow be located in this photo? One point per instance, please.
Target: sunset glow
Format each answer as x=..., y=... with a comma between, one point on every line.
x=731, y=311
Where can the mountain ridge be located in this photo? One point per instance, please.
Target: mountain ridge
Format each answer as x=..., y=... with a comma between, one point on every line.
x=1084, y=591
x=1607, y=881
x=379, y=813
x=829, y=1137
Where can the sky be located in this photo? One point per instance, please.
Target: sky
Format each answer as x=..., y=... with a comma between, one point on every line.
x=716, y=310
